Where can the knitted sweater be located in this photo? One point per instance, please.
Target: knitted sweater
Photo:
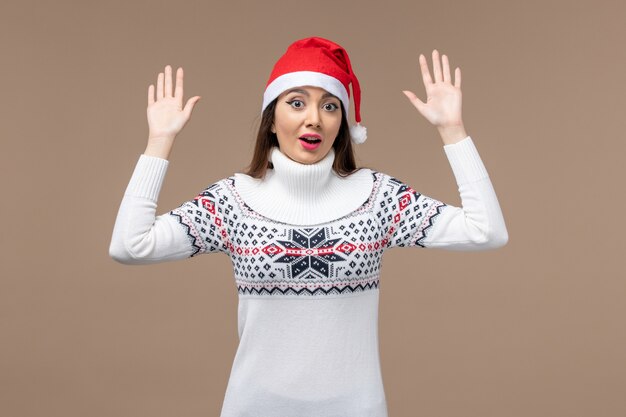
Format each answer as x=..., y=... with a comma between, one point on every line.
x=306, y=247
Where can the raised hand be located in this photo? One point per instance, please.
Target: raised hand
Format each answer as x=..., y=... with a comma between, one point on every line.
x=166, y=115
x=443, y=102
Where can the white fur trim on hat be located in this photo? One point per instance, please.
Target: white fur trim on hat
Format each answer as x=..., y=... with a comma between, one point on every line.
x=302, y=78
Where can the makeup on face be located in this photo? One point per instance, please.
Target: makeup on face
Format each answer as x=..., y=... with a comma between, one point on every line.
x=306, y=123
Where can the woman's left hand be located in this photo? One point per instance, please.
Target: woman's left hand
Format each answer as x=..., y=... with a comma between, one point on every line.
x=443, y=103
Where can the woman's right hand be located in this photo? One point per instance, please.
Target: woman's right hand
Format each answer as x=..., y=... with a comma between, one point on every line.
x=166, y=115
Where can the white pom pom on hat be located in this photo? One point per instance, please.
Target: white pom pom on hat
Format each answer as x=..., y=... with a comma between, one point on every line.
x=320, y=63
x=358, y=133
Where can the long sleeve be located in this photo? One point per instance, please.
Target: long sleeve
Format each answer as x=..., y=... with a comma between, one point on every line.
x=141, y=237
x=409, y=218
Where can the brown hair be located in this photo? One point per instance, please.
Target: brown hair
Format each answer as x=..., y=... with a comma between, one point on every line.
x=344, y=163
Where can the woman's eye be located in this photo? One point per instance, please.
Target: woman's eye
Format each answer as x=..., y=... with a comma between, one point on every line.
x=333, y=106
x=291, y=103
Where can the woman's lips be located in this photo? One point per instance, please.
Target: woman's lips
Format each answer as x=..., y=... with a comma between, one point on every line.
x=310, y=143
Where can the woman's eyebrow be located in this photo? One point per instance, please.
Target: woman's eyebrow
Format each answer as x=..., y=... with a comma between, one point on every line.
x=306, y=93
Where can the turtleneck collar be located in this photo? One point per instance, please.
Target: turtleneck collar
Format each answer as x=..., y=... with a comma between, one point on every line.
x=301, y=181
x=304, y=194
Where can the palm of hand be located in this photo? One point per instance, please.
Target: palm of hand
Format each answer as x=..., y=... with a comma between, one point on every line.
x=165, y=117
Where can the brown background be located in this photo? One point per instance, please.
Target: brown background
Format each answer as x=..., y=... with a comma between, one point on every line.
x=533, y=329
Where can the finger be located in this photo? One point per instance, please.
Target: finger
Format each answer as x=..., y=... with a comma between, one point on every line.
x=160, y=86
x=436, y=66
x=189, y=106
x=150, y=94
x=168, y=81
x=457, y=77
x=179, y=85
x=425, y=71
x=446, y=69
x=414, y=99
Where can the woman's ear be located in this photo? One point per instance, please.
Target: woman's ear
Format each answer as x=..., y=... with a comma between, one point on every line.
x=272, y=128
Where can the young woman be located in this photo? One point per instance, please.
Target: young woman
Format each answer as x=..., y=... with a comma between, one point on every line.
x=306, y=230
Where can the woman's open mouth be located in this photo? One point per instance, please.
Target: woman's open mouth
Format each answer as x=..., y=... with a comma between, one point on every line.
x=310, y=143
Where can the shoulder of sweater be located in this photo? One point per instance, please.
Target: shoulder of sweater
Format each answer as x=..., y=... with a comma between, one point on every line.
x=219, y=186
x=383, y=177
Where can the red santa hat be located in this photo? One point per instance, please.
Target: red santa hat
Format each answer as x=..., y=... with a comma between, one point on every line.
x=320, y=63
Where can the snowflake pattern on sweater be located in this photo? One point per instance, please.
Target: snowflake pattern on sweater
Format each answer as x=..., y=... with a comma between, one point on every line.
x=275, y=258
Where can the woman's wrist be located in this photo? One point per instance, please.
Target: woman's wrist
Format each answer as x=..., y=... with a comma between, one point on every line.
x=452, y=134
x=161, y=147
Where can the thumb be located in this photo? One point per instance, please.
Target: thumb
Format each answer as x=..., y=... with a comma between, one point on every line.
x=190, y=104
x=419, y=104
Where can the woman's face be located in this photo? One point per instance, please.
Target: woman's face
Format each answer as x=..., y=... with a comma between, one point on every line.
x=306, y=111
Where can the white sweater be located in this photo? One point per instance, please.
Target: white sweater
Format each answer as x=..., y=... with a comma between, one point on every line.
x=306, y=247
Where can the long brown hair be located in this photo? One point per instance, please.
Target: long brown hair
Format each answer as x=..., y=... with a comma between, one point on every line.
x=344, y=163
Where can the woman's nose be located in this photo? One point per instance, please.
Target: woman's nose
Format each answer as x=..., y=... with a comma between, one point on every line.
x=313, y=117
